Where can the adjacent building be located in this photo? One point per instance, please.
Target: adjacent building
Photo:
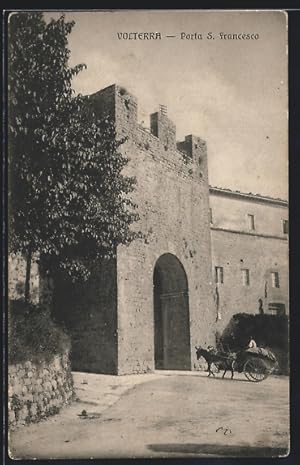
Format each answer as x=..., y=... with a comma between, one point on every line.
x=249, y=240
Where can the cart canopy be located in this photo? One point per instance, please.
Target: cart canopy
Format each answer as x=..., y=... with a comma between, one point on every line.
x=261, y=352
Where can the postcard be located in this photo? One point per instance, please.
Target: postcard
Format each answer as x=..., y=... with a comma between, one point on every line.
x=148, y=234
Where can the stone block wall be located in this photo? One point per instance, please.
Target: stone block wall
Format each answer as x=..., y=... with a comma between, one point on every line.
x=88, y=311
x=180, y=230
x=37, y=390
x=172, y=198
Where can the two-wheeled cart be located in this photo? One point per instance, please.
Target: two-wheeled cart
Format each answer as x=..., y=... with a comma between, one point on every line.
x=256, y=363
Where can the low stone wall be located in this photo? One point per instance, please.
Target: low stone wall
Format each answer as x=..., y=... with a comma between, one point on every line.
x=36, y=391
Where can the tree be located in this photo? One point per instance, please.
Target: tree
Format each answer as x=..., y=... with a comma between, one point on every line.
x=68, y=199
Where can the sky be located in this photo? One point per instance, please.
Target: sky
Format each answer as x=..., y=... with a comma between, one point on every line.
x=232, y=93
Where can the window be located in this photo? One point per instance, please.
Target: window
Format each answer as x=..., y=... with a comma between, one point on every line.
x=285, y=226
x=210, y=216
x=250, y=220
x=275, y=279
x=245, y=277
x=219, y=274
x=277, y=309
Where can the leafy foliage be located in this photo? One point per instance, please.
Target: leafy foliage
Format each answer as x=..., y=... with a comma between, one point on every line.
x=68, y=197
x=32, y=334
x=269, y=331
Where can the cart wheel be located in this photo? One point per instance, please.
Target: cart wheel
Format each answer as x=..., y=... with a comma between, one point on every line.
x=255, y=370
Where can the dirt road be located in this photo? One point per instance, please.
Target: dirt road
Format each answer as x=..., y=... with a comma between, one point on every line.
x=163, y=415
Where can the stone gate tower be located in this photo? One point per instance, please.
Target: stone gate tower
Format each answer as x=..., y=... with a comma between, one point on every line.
x=149, y=308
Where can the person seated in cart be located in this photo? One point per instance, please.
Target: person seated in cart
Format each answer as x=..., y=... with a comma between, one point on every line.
x=252, y=344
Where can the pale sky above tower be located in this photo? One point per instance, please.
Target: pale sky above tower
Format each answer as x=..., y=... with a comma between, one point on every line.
x=231, y=92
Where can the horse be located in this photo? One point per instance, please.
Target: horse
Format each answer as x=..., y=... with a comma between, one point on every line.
x=218, y=358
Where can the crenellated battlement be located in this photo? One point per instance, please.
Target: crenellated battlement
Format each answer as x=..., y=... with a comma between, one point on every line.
x=163, y=128
x=188, y=157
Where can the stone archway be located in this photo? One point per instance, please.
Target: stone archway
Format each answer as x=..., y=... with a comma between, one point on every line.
x=171, y=315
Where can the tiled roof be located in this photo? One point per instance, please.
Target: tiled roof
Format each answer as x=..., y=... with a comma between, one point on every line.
x=249, y=195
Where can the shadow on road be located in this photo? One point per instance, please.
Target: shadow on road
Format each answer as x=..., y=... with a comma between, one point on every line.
x=243, y=380
x=201, y=375
x=219, y=450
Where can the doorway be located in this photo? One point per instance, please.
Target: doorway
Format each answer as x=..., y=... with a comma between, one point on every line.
x=171, y=315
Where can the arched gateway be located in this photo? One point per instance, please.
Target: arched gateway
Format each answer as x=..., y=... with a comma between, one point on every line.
x=171, y=315
x=114, y=325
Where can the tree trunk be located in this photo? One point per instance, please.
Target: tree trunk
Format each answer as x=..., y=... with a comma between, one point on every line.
x=28, y=272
